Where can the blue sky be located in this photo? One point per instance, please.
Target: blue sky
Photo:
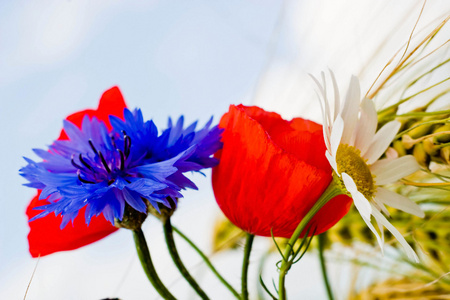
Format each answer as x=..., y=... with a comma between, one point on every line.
x=169, y=58
x=57, y=57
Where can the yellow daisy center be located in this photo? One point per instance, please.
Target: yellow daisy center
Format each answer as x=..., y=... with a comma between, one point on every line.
x=349, y=161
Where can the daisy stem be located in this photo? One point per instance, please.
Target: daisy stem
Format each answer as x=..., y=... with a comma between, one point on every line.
x=321, y=241
x=168, y=233
x=332, y=191
x=147, y=264
x=208, y=263
x=247, y=250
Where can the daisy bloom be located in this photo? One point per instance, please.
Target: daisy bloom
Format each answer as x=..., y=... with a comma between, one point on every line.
x=354, y=147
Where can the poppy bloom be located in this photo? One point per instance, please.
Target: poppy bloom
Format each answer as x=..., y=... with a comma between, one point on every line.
x=271, y=173
x=102, y=171
x=45, y=235
x=354, y=148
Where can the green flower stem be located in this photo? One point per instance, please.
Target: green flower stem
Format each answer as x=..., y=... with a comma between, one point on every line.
x=261, y=263
x=321, y=240
x=332, y=191
x=207, y=262
x=168, y=233
x=247, y=250
x=147, y=265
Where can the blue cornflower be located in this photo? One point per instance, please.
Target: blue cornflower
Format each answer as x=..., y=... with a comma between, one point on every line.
x=174, y=140
x=130, y=165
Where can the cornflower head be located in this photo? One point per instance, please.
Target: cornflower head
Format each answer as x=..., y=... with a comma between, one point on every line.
x=354, y=147
x=174, y=140
x=128, y=168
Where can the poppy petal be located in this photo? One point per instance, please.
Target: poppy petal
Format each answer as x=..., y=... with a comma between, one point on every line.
x=264, y=182
x=111, y=103
x=45, y=235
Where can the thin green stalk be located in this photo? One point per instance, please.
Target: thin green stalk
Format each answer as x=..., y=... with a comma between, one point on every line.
x=421, y=124
x=424, y=113
x=321, y=240
x=168, y=233
x=147, y=265
x=207, y=262
x=261, y=263
x=247, y=251
x=412, y=96
x=332, y=191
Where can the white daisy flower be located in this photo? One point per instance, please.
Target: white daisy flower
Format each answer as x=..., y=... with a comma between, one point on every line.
x=354, y=148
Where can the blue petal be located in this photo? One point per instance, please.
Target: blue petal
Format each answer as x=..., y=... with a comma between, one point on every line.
x=100, y=169
x=134, y=200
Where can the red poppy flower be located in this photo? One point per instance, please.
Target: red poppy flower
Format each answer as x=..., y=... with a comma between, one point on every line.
x=271, y=173
x=45, y=235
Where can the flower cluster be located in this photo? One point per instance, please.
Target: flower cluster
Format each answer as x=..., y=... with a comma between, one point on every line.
x=104, y=168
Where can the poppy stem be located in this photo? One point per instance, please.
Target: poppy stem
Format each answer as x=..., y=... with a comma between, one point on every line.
x=207, y=262
x=289, y=255
x=245, y=264
x=168, y=233
x=147, y=264
x=321, y=240
x=262, y=288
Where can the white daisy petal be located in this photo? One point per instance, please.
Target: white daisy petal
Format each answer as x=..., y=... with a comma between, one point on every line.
x=318, y=84
x=380, y=206
x=381, y=141
x=325, y=117
x=398, y=201
x=323, y=91
x=375, y=232
x=367, y=125
x=350, y=110
x=325, y=126
x=390, y=170
x=332, y=162
x=381, y=227
x=409, y=251
x=337, y=101
x=336, y=134
x=325, y=98
x=361, y=203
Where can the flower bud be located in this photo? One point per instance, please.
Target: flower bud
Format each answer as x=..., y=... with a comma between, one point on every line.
x=430, y=147
x=420, y=130
x=132, y=219
x=445, y=137
x=420, y=155
x=407, y=142
x=164, y=211
x=399, y=147
x=445, y=154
